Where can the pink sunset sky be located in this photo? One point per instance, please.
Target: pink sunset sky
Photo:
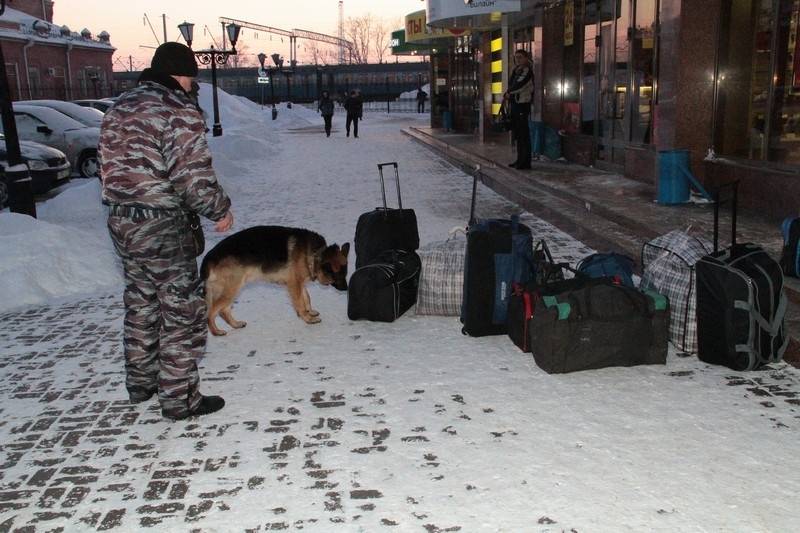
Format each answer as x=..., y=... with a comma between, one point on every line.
x=136, y=28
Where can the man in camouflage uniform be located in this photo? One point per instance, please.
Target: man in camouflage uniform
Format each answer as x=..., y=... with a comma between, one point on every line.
x=156, y=164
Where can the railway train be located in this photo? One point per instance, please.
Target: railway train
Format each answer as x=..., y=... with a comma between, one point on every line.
x=303, y=84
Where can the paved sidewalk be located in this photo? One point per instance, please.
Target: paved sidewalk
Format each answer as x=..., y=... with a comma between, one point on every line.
x=338, y=429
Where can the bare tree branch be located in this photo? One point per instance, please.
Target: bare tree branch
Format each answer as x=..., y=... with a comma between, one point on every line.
x=370, y=37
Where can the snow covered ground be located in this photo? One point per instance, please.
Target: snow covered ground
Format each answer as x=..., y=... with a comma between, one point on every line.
x=357, y=426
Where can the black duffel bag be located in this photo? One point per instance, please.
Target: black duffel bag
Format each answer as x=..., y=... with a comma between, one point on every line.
x=523, y=298
x=597, y=326
x=385, y=288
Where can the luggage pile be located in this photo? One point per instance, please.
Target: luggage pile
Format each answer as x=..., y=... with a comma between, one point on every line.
x=384, y=284
x=727, y=306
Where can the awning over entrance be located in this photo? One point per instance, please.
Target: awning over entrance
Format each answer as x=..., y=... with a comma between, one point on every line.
x=477, y=14
x=401, y=47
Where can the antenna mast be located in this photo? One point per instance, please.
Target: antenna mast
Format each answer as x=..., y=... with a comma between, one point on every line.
x=341, y=32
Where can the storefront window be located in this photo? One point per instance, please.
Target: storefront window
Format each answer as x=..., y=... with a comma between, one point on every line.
x=758, y=106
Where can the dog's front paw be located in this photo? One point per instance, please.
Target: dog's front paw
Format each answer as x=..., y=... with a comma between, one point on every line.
x=313, y=312
x=312, y=319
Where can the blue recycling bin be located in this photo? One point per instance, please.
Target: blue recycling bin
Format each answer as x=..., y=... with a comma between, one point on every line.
x=673, y=184
x=537, y=137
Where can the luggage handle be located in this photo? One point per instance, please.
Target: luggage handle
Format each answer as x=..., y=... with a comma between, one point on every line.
x=383, y=188
x=546, y=255
x=472, y=219
x=733, y=199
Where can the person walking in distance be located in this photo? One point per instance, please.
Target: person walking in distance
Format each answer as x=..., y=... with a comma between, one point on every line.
x=421, y=97
x=355, y=109
x=325, y=107
x=519, y=95
x=155, y=167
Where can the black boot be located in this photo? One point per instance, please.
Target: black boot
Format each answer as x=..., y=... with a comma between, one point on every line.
x=141, y=394
x=207, y=405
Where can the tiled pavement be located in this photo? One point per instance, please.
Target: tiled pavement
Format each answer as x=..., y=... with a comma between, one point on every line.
x=76, y=456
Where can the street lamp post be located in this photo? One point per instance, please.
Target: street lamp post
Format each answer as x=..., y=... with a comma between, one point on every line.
x=262, y=57
x=16, y=176
x=288, y=74
x=213, y=57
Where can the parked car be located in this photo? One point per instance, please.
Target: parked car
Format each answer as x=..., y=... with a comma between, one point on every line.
x=84, y=115
x=48, y=167
x=55, y=129
x=101, y=104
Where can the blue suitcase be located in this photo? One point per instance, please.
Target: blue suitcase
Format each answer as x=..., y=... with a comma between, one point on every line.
x=499, y=254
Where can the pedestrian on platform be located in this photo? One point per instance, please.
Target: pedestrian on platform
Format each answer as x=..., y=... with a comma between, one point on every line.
x=355, y=109
x=325, y=107
x=422, y=96
x=519, y=95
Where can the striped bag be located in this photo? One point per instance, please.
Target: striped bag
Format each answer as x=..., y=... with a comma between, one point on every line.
x=441, y=280
x=668, y=265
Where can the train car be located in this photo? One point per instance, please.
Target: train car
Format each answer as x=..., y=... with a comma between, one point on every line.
x=376, y=82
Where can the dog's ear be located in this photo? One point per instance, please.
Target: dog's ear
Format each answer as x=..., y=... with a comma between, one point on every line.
x=345, y=249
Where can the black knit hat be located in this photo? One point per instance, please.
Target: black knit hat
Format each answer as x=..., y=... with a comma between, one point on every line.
x=174, y=59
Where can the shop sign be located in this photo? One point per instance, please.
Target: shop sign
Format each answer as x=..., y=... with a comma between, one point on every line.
x=446, y=9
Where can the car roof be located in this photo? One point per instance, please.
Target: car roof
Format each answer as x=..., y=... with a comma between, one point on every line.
x=86, y=115
x=48, y=114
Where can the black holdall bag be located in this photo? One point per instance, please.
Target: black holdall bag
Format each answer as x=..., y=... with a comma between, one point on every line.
x=523, y=299
x=503, y=121
x=597, y=326
x=384, y=289
x=385, y=229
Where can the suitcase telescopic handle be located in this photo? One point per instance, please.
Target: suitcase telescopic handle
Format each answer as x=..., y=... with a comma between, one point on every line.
x=733, y=199
x=383, y=187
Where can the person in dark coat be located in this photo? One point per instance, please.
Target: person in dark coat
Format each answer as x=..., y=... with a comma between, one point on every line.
x=421, y=97
x=520, y=94
x=355, y=110
x=325, y=107
x=156, y=167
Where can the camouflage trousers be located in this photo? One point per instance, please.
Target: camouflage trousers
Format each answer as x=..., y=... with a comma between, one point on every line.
x=165, y=313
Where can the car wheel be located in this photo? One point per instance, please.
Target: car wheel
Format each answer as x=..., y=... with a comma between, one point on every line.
x=88, y=164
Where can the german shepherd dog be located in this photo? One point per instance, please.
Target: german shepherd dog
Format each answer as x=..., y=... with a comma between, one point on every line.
x=274, y=254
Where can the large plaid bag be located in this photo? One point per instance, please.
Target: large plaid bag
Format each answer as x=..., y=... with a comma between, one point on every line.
x=668, y=265
x=441, y=280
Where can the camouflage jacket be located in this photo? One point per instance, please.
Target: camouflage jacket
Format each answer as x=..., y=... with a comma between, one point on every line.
x=154, y=154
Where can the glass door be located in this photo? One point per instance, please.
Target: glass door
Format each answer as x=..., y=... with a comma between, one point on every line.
x=614, y=78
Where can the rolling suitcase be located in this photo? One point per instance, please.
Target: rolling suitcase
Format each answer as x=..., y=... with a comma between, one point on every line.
x=384, y=289
x=499, y=254
x=385, y=229
x=740, y=302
